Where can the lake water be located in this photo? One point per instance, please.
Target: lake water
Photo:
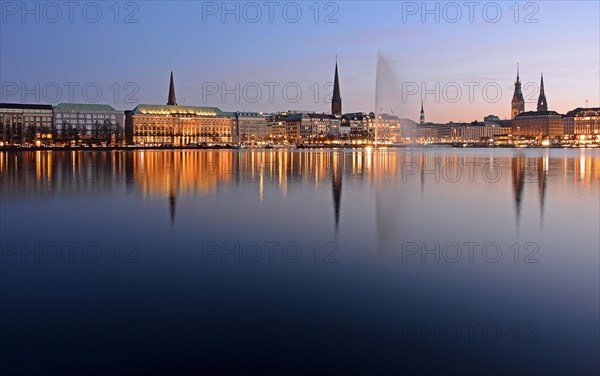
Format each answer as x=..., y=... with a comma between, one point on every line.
x=399, y=261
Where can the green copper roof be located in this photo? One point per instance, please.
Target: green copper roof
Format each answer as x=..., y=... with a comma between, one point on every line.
x=152, y=109
x=83, y=107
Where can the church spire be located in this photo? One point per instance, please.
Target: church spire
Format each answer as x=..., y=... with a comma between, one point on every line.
x=172, y=101
x=518, y=102
x=422, y=119
x=542, y=104
x=336, y=101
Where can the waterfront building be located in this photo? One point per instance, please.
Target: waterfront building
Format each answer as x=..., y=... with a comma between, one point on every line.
x=493, y=130
x=468, y=132
x=325, y=125
x=298, y=127
x=389, y=129
x=427, y=132
x=88, y=123
x=538, y=124
x=478, y=131
x=276, y=126
x=361, y=124
x=22, y=124
x=408, y=128
x=304, y=126
x=251, y=126
x=582, y=121
x=178, y=125
x=174, y=125
x=444, y=132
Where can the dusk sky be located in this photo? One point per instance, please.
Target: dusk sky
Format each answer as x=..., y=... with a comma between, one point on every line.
x=191, y=38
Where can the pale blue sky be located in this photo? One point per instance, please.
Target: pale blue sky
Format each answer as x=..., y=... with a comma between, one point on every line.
x=187, y=37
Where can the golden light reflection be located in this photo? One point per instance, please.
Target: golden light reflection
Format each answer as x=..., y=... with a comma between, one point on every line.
x=170, y=174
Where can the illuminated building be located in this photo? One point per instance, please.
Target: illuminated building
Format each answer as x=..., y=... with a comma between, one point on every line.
x=582, y=121
x=324, y=124
x=388, y=130
x=361, y=124
x=22, y=124
x=298, y=127
x=276, y=125
x=479, y=131
x=427, y=132
x=538, y=124
x=252, y=126
x=303, y=126
x=174, y=125
x=178, y=125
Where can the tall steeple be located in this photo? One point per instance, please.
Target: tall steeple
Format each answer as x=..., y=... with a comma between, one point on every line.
x=518, y=103
x=542, y=103
x=422, y=119
x=336, y=101
x=172, y=101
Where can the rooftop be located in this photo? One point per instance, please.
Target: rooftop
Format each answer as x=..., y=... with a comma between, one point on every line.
x=165, y=110
x=580, y=111
x=83, y=107
x=20, y=106
x=537, y=113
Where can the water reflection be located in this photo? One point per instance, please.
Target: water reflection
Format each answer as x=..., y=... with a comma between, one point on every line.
x=365, y=205
x=171, y=174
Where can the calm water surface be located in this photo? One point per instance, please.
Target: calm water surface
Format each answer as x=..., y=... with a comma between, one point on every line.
x=408, y=261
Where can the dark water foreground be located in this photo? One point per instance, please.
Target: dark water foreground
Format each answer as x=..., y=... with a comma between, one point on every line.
x=216, y=262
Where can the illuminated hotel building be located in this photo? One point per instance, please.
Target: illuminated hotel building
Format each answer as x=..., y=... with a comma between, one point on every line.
x=173, y=125
x=582, y=121
x=178, y=125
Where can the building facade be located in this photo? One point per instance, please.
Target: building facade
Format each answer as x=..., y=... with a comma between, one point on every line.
x=324, y=125
x=361, y=124
x=538, y=124
x=179, y=125
x=541, y=123
x=298, y=127
x=251, y=127
x=388, y=129
x=408, y=129
x=582, y=121
x=478, y=131
x=88, y=123
x=22, y=124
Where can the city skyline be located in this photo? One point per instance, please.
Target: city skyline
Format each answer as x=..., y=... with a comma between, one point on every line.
x=527, y=104
x=417, y=52
x=300, y=187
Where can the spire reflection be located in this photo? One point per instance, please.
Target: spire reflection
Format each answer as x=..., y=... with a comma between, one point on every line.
x=169, y=175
